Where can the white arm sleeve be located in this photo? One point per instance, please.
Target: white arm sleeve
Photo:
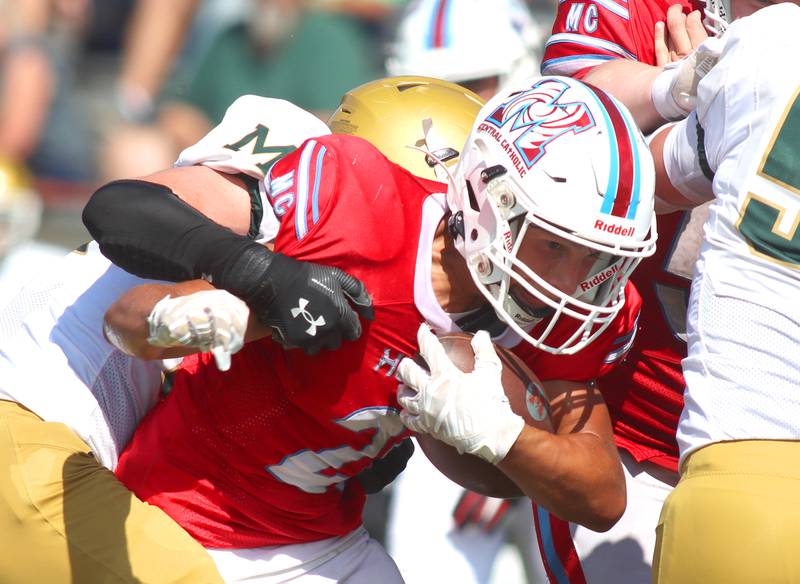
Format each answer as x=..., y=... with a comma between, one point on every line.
x=684, y=158
x=254, y=132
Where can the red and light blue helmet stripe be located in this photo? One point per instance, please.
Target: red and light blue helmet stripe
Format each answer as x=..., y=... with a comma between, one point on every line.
x=623, y=190
x=464, y=40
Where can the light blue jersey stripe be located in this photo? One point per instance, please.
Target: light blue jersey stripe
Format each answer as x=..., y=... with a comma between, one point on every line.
x=301, y=208
x=568, y=65
x=550, y=554
x=584, y=41
x=315, y=196
x=612, y=6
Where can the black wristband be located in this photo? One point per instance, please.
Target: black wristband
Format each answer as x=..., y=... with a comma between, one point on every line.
x=246, y=277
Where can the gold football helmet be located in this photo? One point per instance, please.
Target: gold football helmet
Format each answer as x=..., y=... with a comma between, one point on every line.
x=399, y=114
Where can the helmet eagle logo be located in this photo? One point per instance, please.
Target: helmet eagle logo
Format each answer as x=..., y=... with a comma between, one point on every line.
x=538, y=116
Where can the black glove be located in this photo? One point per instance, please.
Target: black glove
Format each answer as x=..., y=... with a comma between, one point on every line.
x=306, y=304
x=384, y=470
x=148, y=231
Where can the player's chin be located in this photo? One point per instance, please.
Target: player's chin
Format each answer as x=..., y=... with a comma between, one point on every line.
x=530, y=301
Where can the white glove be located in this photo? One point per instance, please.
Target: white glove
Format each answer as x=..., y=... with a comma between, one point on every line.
x=674, y=91
x=469, y=411
x=211, y=320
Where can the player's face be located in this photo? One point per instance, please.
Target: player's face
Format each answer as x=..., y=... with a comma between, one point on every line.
x=562, y=263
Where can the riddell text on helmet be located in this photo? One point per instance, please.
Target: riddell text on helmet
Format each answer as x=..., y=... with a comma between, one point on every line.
x=599, y=278
x=601, y=225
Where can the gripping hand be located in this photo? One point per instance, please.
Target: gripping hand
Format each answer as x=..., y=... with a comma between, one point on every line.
x=674, y=91
x=211, y=320
x=469, y=411
x=306, y=305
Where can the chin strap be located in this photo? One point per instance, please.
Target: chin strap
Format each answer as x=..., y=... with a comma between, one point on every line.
x=483, y=319
x=525, y=316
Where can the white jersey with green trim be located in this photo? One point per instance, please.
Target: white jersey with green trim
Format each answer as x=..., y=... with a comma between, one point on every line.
x=742, y=371
x=55, y=360
x=253, y=135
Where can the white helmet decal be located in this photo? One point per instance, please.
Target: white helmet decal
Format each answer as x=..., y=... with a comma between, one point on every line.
x=537, y=117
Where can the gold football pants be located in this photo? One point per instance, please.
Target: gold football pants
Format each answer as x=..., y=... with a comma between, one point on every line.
x=65, y=518
x=734, y=517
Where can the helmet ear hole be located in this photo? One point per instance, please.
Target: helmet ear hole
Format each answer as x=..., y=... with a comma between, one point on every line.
x=473, y=200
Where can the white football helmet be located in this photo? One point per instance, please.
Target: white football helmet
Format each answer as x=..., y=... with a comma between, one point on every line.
x=465, y=40
x=20, y=207
x=564, y=157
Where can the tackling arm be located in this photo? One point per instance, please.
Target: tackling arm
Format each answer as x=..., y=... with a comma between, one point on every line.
x=683, y=174
x=630, y=82
x=663, y=90
x=146, y=229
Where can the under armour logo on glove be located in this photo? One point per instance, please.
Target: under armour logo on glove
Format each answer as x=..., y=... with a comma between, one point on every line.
x=279, y=290
x=309, y=318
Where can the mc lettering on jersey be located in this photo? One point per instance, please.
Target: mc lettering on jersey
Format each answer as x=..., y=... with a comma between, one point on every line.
x=581, y=12
x=279, y=193
x=537, y=118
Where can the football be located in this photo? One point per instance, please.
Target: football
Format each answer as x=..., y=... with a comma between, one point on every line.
x=528, y=400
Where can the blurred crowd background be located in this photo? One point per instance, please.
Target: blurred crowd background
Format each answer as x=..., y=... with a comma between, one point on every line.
x=95, y=90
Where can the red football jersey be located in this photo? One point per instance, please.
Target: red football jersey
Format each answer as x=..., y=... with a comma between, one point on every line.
x=260, y=455
x=645, y=393
x=587, y=33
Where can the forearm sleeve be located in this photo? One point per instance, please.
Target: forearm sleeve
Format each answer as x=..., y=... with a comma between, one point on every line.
x=148, y=231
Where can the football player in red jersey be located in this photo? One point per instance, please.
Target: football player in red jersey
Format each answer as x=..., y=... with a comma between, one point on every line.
x=611, y=44
x=622, y=47
x=547, y=213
